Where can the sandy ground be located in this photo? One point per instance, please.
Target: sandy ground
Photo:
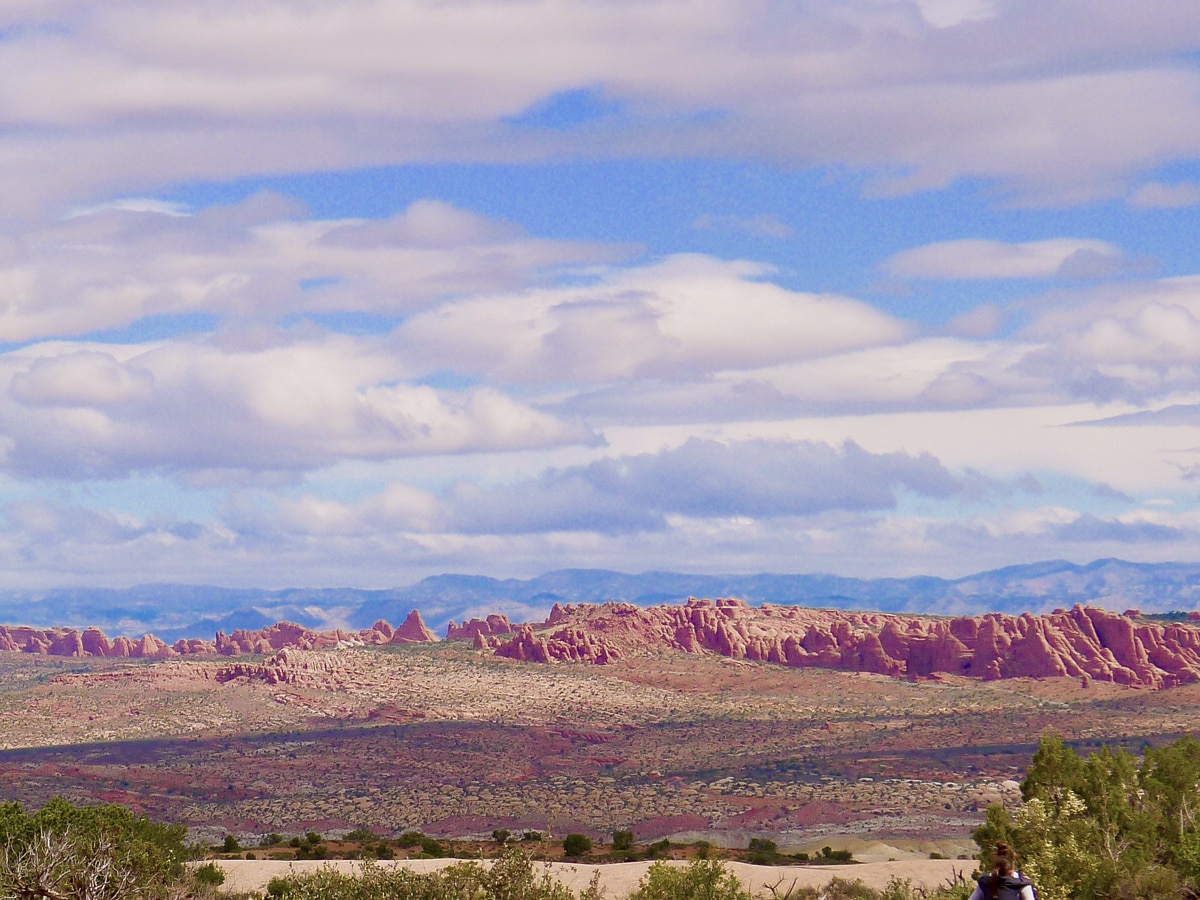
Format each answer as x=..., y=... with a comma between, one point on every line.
x=619, y=879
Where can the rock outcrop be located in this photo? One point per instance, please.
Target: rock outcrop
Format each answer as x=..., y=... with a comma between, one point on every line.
x=413, y=631
x=1084, y=642
x=288, y=666
x=493, y=626
x=280, y=636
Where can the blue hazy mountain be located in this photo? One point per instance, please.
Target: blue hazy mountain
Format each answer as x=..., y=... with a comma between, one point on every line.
x=173, y=611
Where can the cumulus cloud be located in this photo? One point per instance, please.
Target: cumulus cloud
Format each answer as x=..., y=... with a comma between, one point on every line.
x=982, y=259
x=922, y=373
x=686, y=314
x=1138, y=341
x=261, y=258
x=187, y=407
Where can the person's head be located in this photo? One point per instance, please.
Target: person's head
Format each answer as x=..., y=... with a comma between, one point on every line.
x=1003, y=859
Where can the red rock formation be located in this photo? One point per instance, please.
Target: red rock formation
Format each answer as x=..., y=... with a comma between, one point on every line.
x=1084, y=643
x=288, y=666
x=492, y=626
x=282, y=635
x=413, y=631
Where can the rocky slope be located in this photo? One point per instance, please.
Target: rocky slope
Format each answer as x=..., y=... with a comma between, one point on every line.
x=280, y=636
x=1084, y=642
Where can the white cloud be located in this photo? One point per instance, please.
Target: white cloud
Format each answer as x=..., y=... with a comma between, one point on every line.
x=948, y=13
x=979, y=322
x=1156, y=195
x=134, y=95
x=984, y=259
x=1155, y=335
x=646, y=492
x=686, y=314
x=188, y=407
x=116, y=264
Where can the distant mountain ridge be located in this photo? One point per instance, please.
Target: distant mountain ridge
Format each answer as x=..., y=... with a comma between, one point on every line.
x=173, y=612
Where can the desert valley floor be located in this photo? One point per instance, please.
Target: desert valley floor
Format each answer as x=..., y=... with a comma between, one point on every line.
x=456, y=741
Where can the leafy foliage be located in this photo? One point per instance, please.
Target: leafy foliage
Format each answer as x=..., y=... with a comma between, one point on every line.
x=1105, y=826
x=575, y=844
x=510, y=877
x=702, y=879
x=86, y=853
x=209, y=874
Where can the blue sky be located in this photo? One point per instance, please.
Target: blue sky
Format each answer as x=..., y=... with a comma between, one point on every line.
x=352, y=293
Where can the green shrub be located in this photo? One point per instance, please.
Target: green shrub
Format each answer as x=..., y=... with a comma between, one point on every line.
x=658, y=849
x=501, y=835
x=209, y=875
x=622, y=840
x=410, y=839
x=510, y=877
x=763, y=852
x=106, y=852
x=576, y=844
x=231, y=844
x=703, y=879
x=845, y=889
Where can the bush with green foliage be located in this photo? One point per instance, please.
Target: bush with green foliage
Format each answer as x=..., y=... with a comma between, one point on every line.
x=622, y=839
x=101, y=852
x=1106, y=826
x=702, y=879
x=432, y=848
x=763, y=852
x=209, y=875
x=510, y=877
x=230, y=845
x=576, y=844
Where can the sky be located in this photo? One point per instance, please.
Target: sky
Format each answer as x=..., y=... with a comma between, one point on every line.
x=350, y=293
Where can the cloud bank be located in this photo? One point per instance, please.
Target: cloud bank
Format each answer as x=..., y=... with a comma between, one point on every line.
x=719, y=286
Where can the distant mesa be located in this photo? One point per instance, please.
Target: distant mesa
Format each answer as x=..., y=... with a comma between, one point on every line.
x=1087, y=643
x=93, y=642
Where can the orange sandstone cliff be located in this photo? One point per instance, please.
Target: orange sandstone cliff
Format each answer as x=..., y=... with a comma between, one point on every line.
x=1083, y=642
